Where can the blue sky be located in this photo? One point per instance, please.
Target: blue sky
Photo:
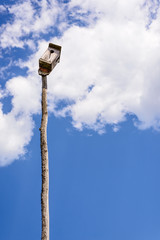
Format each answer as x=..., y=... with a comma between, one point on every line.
x=104, y=119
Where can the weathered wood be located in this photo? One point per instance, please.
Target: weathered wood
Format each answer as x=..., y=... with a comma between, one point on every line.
x=44, y=161
x=46, y=64
x=49, y=59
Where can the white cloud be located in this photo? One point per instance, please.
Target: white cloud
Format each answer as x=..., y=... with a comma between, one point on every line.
x=2, y=93
x=26, y=94
x=108, y=69
x=121, y=61
x=26, y=20
x=2, y=8
x=16, y=133
x=16, y=128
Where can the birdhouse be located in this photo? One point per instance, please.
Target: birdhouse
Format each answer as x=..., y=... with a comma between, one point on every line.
x=49, y=59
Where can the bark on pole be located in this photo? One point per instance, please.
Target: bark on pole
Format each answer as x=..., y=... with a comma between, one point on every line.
x=44, y=161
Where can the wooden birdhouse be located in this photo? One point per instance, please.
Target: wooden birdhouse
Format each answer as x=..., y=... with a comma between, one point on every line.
x=49, y=59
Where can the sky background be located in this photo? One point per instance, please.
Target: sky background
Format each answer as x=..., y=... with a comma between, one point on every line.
x=104, y=119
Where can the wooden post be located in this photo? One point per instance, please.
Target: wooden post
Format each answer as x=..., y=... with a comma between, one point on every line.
x=45, y=168
x=46, y=64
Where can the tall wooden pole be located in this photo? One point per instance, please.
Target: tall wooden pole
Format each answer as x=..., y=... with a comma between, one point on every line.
x=47, y=62
x=45, y=168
